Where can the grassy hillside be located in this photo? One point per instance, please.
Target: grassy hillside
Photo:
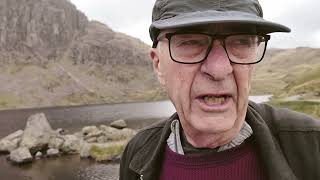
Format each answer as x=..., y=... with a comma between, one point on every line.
x=286, y=73
x=293, y=77
x=62, y=83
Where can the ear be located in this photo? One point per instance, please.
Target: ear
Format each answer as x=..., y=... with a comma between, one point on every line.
x=157, y=66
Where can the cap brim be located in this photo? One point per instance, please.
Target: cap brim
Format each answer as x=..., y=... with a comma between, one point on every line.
x=217, y=17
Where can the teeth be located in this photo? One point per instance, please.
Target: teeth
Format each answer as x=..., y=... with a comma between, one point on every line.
x=212, y=100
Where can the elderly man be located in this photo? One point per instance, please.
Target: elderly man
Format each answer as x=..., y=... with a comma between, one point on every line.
x=203, y=54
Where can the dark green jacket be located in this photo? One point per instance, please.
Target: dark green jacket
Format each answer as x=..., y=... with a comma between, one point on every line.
x=288, y=145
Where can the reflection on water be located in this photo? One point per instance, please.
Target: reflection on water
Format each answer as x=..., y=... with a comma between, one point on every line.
x=63, y=168
x=99, y=172
x=72, y=167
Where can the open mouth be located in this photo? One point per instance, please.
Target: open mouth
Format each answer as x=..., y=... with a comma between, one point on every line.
x=215, y=100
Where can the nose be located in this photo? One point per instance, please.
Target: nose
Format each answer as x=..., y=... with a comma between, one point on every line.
x=217, y=64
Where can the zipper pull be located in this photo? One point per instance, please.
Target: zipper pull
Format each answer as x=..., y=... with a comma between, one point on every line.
x=141, y=177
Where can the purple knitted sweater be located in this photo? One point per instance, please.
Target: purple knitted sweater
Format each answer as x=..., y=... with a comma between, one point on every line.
x=240, y=163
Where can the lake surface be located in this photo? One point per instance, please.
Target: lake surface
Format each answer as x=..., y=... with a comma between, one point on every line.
x=73, y=118
x=137, y=116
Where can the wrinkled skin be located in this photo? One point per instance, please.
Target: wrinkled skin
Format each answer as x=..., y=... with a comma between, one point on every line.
x=187, y=83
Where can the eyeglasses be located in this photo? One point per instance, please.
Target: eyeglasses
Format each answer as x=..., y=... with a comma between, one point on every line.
x=192, y=48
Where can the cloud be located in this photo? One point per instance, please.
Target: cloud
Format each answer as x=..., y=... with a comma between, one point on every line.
x=302, y=16
x=116, y=13
x=134, y=18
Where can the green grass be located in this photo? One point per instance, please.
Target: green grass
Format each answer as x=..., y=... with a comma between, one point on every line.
x=106, y=153
x=51, y=82
x=9, y=101
x=309, y=107
x=303, y=83
x=82, y=98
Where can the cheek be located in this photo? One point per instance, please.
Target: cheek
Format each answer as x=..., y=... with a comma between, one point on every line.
x=179, y=81
x=180, y=75
x=242, y=75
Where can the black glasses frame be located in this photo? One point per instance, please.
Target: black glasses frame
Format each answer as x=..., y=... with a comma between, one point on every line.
x=222, y=39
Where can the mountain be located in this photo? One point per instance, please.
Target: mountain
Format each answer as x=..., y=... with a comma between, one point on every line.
x=52, y=55
x=289, y=72
x=38, y=28
x=46, y=30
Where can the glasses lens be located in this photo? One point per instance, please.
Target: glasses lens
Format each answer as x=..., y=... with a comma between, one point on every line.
x=189, y=48
x=245, y=48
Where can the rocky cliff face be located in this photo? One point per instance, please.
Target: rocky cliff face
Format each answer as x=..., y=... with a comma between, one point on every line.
x=51, y=55
x=38, y=28
x=47, y=30
x=101, y=45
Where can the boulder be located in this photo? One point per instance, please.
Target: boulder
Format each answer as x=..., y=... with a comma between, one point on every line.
x=53, y=152
x=113, y=134
x=9, y=145
x=20, y=155
x=110, y=134
x=92, y=140
x=37, y=133
x=14, y=135
x=78, y=135
x=91, y=133
x=71, y=144
x=38, y=155
x=89, y=129
x=103, y=139
x=56, y=142
x=107, y=129
x=119, y=124
x=60, y=131
x=11, y=142
x=94, y=134
x=85, y=150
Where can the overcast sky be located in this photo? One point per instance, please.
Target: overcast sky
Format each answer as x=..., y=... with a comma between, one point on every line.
x=133, y=17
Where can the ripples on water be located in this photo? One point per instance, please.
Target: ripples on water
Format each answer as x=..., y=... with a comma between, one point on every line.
x=63, y=168
x=99, y=172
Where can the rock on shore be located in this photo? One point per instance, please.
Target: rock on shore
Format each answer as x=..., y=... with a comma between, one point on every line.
x=37, y=133
x=20, y=155
x=38, y=140
x=11, y=142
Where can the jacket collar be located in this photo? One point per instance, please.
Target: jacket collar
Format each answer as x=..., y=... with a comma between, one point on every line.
x=269, y=150
x=148, y=162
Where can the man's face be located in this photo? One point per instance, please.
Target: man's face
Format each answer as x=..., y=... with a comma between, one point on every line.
x=210, y=97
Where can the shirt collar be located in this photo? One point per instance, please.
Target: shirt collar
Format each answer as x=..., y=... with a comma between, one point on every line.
x=174, y=140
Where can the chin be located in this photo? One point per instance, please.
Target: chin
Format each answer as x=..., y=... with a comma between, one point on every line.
x=213, y=124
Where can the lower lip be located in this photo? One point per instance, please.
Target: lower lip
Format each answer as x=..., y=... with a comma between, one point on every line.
x=216, y=107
